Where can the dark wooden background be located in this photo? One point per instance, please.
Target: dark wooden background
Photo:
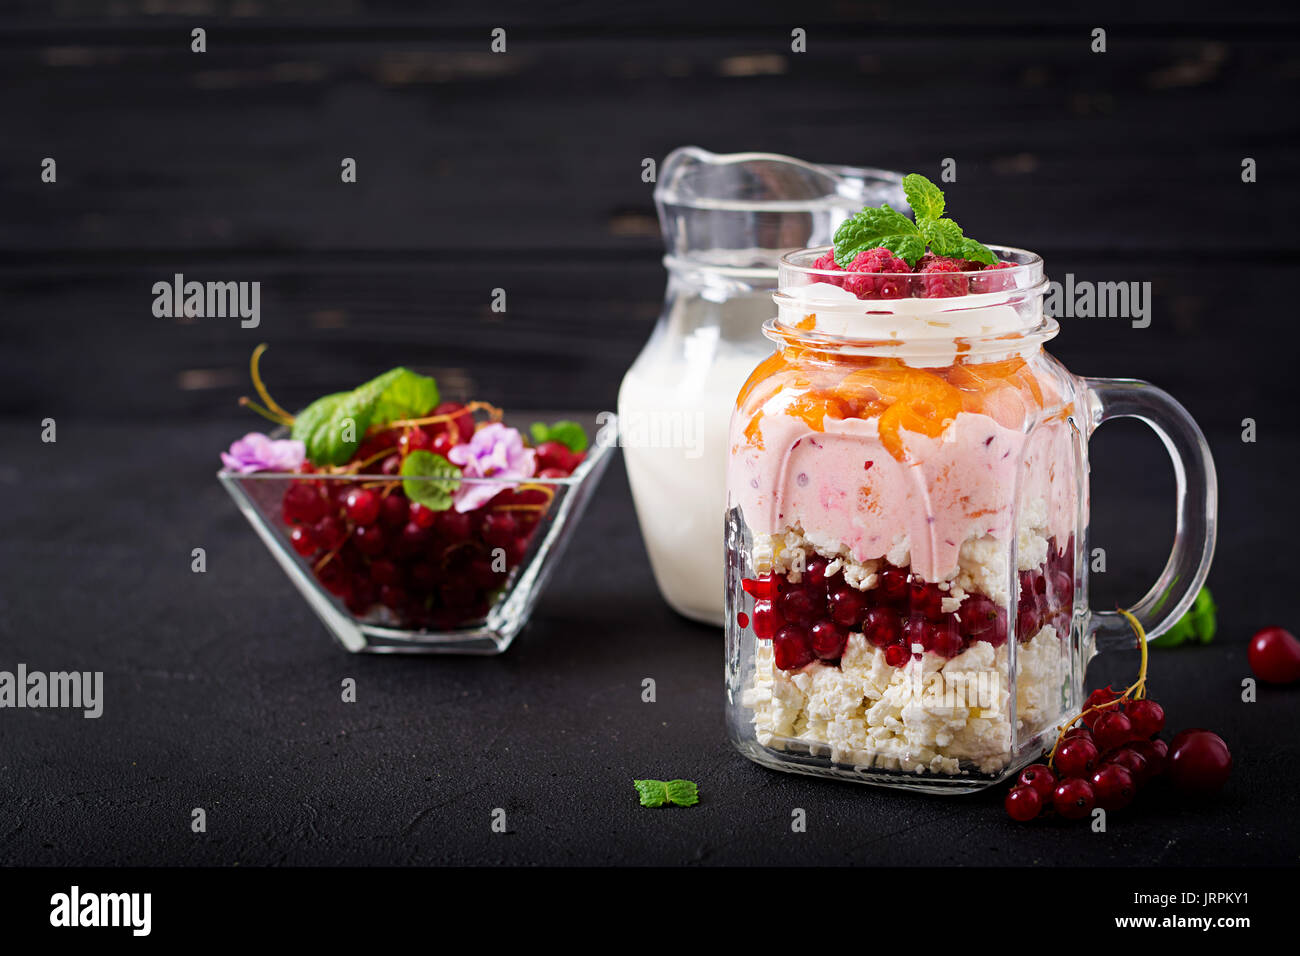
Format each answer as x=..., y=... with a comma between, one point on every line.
x=522, y=171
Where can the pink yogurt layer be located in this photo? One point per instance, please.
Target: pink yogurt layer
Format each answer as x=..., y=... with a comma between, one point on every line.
x=841, y=485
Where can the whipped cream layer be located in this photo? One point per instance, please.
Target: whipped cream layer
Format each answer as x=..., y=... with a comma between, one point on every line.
x=930, y=327
x=842, y=485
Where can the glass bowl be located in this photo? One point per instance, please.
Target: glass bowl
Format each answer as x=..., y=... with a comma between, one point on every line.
x=460, y=586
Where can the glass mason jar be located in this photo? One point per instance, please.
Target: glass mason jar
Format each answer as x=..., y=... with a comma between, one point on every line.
x=726, y=221
x=907, y=518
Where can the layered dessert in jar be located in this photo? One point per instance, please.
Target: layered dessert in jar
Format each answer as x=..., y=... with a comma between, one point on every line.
x=904, y=508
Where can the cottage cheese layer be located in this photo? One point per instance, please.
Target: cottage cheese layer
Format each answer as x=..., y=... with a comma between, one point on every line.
x=933, y=715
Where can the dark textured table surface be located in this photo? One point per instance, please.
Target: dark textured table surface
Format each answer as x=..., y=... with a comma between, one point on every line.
x=222, y=691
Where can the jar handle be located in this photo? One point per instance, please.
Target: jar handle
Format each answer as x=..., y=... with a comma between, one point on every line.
x=1196, y=503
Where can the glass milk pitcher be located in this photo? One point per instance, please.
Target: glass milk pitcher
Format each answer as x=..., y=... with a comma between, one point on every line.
x=726, y=220
x=908, y=519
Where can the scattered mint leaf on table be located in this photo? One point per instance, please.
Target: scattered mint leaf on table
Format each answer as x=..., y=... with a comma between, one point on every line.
x=657, y=793
x=434, y=495
x=908, y=240
x=1197, y=626
x=569, y=434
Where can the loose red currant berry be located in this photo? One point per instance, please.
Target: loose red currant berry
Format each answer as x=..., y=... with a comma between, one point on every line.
x=414, y=439
x=393, y=510
x=797, y=607
x=1274, y=656
x=1114, y=787
x=945, y=636
x=383, y=571
x=463, y=423
x=1132, y=761
x=767, y=620
x=926, y=599
x=1078, y=730
x=361, y=506
x=1112, y=730
x=1023, y=803
x=896, y=655
x=1074, y=799
x=303, y=541
x=1200, y=761
x=424, y=517
x=442, y=443
x=302, y=504
x=1147, y=716
x=792, y=648
x=369, y=539
x=847, y=605
x=499, y=529
x=762, y=588
x=1040, y=777
x=891, y=586
x=1076, y=758
x=1098, y=698
x=881, y=627
x=828, y=640
x=330, y=532
x=454, y=526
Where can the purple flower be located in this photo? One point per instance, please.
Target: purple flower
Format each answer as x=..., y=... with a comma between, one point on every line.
x=495, y=451
x=257, y=452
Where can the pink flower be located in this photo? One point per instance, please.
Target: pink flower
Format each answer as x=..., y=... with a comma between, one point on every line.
x=257, y=452
x=495, y=451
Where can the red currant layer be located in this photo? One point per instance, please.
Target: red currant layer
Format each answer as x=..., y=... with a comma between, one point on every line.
x=903, y=612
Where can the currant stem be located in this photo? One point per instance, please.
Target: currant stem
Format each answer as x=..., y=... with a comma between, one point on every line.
x=248, y=403
x=261, y=387
x=1135, y=691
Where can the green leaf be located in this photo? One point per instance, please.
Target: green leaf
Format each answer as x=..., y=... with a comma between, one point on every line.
x=908, y=248
x=925, y=198
x=684, y=793
x=569, y=434
x=970, y=249
x=1197, y=626
x=323, y=427
x=872, y=228
x=654, y=793
x=943, y=235
x=407, y=394
x=434, y=495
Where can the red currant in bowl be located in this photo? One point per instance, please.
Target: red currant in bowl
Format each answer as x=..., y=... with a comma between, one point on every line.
x=396, y=561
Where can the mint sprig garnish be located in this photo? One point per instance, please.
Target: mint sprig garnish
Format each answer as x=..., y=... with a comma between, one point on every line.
x=885, y=227
x=569, y=434
x=657, y=793
x=420, y=466
x=333, y=426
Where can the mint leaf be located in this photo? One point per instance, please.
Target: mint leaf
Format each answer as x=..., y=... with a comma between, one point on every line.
x=1197, y=626
x=970, y=249
x=407, y=395
x=569, y=434
x=323, y=427
x=872, y=228
x=418, y=468
x=684, y=793
x=654, y=793
x=925, y=198
x=906, y=239
x=943, y=235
